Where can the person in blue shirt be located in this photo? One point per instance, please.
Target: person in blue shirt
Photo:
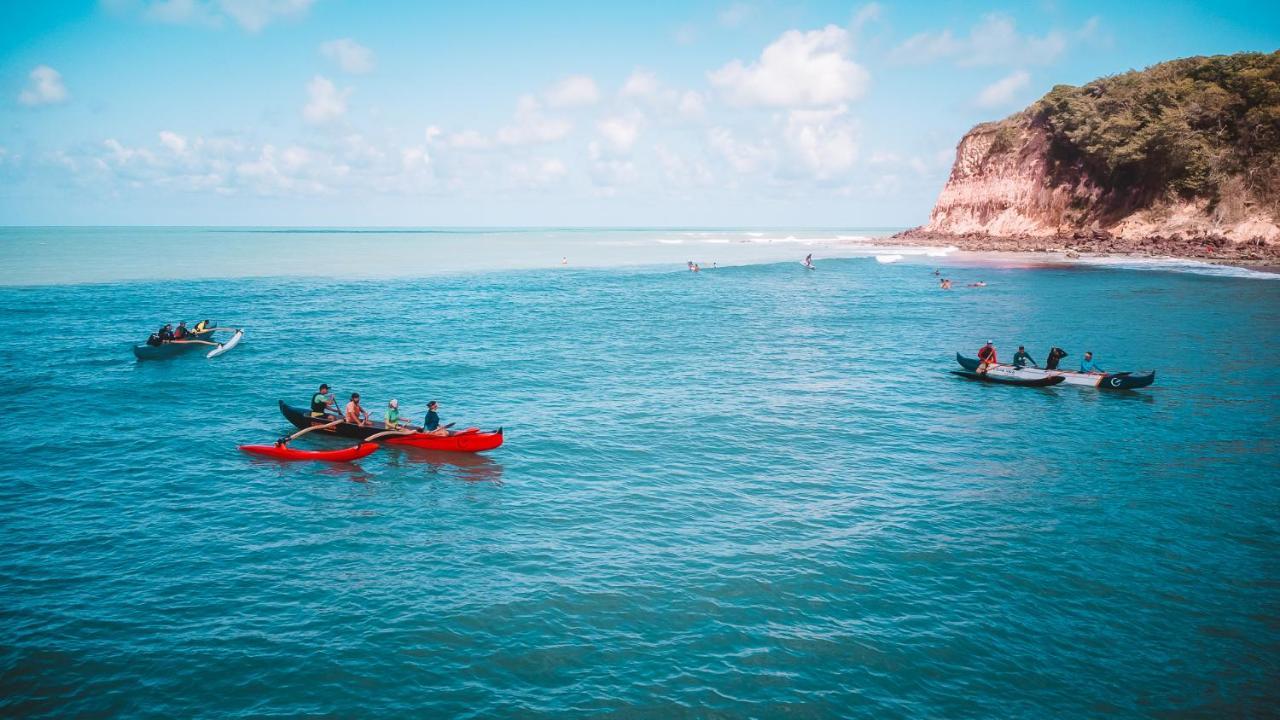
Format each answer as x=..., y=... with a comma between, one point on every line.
x=1087, y=365
x=431, y=425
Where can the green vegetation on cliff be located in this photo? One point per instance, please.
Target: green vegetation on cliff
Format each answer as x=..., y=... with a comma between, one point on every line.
x=1196, y=128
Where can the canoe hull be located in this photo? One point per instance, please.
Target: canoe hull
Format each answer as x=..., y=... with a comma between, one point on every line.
x=168, y=350
x=466, y=441
x=283, y=452
x=1002, y=380
x=1103, y=381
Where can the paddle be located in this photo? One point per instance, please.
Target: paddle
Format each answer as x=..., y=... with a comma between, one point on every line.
x=384, y=433
x=306, y=430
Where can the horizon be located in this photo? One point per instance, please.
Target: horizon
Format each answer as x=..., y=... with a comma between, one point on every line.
x=314, y=113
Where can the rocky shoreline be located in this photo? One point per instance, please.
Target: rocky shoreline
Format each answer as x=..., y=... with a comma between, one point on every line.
x=1258, y=255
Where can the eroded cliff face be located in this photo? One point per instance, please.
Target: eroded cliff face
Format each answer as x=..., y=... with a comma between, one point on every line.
x=1004, y=184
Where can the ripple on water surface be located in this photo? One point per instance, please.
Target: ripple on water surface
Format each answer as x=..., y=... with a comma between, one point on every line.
x=753, y=491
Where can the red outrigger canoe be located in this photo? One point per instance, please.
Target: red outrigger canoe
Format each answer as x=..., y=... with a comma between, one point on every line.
x=469, y=441
x=284, y=452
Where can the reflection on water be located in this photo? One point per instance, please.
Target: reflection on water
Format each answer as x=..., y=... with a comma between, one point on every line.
x=471, y=467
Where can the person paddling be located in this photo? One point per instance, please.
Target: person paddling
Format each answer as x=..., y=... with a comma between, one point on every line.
x=322, y=401
x=356, y=414
x=431, y=425
x=987, y=356
x=393, y=415
x=181, y=332
x=1022, y=358
x=1087, y=365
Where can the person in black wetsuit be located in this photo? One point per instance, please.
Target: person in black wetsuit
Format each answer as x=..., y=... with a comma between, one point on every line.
x=1055, y=356
x=1022, y=358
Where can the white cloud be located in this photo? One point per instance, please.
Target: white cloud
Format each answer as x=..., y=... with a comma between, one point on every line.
x=173, y=141
x=620, y=133
x=821, y=144
x=531, y=126
x=45, y=88
x=537, y=173
x=350, y=55
x=252, y=15
x=692, y=105
x=1002, y=92
x=993, y=41
x=607, y=173
x=866, y=14
x=799, y=69
x=573, y=91
x=640, y=84
x=681, y=171
x=744, y=158
x=735, y=14
x=325, y=101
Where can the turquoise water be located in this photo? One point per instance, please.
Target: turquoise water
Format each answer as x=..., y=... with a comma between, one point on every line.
x=750, y=492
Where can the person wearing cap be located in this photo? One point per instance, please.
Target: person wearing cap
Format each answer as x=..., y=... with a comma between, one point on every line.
x=322, y=401
x=987, y=356
x=431, y=425
x=1022, y=358
x=355, y=413
x=393, y=415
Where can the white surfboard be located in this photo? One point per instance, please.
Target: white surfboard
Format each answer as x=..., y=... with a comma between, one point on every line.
x=807, y=265
x=235, y=340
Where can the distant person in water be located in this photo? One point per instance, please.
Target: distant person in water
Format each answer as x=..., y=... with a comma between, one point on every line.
x=564, y=261
x=322, y=401
x=987, y=356
x=431, y=425
x=977, y=284
x=355, y=413
x=936, y=272
x=1022, y=358
x=1087, y=365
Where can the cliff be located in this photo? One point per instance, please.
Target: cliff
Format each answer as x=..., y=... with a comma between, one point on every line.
x=1182, y=158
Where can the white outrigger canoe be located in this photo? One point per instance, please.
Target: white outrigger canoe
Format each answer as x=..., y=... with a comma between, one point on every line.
x=1102, y=381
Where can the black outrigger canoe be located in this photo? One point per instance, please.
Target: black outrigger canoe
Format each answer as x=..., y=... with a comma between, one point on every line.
x=469, y=440
x=1003, y=380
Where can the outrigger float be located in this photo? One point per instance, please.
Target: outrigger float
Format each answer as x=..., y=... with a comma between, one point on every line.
x=1101, y=381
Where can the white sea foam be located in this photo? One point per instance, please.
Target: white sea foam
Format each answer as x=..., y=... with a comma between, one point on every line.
x=671, y=241
x=886, y=259
x=1176, y=265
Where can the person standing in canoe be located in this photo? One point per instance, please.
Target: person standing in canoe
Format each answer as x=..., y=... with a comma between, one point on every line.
x=987, y=356
x=322, y=401
x=356, y=414
x=431, y=425
x=1022, y=358
x=1087, y=365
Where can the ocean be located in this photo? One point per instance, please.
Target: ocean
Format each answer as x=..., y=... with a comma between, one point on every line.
x=751, y=491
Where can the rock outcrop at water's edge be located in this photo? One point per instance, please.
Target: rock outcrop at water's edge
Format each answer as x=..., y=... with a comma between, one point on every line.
x=1181, y=159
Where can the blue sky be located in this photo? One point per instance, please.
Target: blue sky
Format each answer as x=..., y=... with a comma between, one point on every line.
x=332, y=112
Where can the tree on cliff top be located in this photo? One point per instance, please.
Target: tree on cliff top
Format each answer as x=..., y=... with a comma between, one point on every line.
x=1199, y=127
